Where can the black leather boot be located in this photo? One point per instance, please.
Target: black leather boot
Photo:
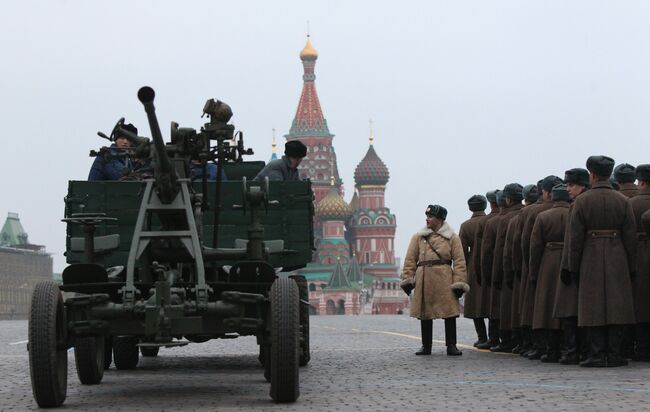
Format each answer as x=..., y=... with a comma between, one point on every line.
x=426, y=330
x=481, y=332
x=616, y=342
x=506, y=342
x=539, y=345
x=450, y=337
x=569, y=346
x=642, y=333
x=597, y=341
x=553, y=338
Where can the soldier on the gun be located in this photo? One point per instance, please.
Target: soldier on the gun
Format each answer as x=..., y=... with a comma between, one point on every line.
x=113, y=163
x=286, y=168
x=196, y=171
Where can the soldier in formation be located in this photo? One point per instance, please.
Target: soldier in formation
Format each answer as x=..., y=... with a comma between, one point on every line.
x=562, y=276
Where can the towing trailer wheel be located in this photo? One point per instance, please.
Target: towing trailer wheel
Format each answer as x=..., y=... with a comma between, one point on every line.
x=303, y=291
x=89, y=356
x=285, y=340
x=48, y=353
x=125, y=352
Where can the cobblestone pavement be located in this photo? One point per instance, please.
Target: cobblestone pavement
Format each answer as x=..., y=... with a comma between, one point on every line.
x=361, y=363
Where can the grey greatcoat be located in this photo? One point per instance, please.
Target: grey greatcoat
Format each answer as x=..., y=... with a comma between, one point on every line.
x=278, y=169
x=515, y=251
x=433, y=296
x=527, y=292
x=641, y=283
x=602, y=250
x=487, y=260
x=566, y=296
x=483, y=297
x=546, y=243
x=467, y=235
x=504, y=272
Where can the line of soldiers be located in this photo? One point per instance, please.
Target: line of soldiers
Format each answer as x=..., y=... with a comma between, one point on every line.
x=565, y=276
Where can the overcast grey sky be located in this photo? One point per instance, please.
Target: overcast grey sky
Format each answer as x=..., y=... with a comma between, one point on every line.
x=465, y=96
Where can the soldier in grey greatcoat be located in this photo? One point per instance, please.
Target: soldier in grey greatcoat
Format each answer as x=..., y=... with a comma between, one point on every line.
x=566, y=294
x=488, y=244
x=528, y=291
x=602, y=258
x=519, y=338
x=467, y=233
x=285, y=168
x=483, y=307
x=502, y=266
x=625, y=175
x=641, y=284
x=546, y=243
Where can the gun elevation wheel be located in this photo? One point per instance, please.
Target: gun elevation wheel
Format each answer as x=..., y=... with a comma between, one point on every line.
x=285, y=340
x=125, y=352
x=89, y=357
x=48, y=354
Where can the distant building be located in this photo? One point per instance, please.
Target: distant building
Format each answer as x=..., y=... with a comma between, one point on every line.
x=353, y=269
x=22, y=265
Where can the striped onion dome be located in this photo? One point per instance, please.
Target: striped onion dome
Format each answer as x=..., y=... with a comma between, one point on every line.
x=371, y=170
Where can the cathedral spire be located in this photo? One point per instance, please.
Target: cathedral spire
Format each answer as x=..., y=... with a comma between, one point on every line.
x=309, y=119
x=371, y=139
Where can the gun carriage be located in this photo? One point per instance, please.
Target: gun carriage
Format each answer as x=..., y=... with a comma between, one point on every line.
x=165, y=261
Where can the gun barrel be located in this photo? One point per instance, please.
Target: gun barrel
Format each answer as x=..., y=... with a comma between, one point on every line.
x=165, y=174
x=146, y=95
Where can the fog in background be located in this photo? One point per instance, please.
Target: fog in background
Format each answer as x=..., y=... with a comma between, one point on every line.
x=465, y=96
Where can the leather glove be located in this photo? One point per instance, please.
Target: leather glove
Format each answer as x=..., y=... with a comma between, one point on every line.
x=497, y=285
x=407, y=288
x=458, y=293
x=510, y=284
x=565, y=277
x=632, y=275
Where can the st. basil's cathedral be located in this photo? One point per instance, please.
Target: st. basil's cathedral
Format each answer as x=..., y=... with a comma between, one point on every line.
x=353, y=270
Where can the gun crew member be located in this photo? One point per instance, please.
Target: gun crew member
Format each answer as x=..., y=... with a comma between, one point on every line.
x=285, y=168
x=113, y=163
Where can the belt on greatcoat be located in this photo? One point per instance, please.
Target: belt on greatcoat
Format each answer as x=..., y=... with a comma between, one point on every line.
x=437, y=262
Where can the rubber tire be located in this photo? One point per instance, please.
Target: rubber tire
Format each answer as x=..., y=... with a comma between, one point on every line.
x=285, y=340
x=149, y=352
x=303, y=291
x=89, y=358
x=108, y=352
x=125, y=352
x=48, y=354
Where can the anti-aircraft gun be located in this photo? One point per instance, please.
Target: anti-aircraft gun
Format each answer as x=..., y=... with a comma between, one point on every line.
x=149, y=268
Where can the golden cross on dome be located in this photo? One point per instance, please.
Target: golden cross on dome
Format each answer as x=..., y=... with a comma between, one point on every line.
x=371, y=139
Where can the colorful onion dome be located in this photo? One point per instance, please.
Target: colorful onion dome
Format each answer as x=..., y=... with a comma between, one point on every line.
x=333, y=207
x=371, y=170
x=308, y=53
